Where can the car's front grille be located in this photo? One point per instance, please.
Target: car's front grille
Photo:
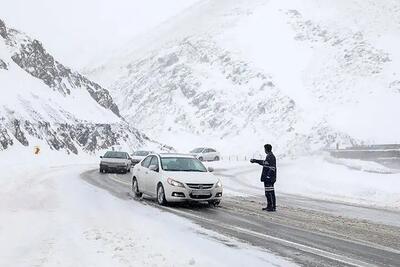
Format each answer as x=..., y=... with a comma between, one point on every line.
x=113, y=164
x=200, y=196
x=200, y=186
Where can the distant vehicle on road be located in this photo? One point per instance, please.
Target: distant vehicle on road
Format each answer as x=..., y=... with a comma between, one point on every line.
x=115, y=161
x=175, y=178
x=137, y=156
x=206, y=154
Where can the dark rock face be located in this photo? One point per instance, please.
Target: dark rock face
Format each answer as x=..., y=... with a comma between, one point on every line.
x=34, y=59
x=89, y=137
x=101, y=95
x=3, y=65
x=18, y=133
x=5, y=139
x=73, y=135
x=3, y=30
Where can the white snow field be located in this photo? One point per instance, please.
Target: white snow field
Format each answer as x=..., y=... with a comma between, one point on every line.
x=345, y=181
x=302, y=75
x=49, y=216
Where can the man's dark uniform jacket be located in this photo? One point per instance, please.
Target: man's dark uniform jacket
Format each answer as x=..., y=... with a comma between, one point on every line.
x=268, y=174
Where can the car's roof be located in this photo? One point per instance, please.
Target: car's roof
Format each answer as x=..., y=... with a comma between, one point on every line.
x=175, y=155
x=116, y=151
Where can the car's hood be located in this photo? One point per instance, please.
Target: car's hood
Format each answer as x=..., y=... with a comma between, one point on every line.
x=112, y=160
x=192, y=177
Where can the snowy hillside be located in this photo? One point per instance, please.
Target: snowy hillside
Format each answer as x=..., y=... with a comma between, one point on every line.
x=302, y=75
x=47, y=104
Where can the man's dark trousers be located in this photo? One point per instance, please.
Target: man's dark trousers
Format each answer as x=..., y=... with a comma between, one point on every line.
x=270, y=194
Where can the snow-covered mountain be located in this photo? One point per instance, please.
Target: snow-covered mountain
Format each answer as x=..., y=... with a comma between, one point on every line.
x=47, y=104
x=302, y=75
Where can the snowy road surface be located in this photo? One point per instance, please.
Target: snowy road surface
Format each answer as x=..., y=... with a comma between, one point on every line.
x=310, y=232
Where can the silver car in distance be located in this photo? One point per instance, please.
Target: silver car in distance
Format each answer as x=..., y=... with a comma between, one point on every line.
x=175, y=178
x=206, y=154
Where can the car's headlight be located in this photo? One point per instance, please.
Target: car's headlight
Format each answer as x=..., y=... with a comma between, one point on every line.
x=218, y=184
x=174, y=183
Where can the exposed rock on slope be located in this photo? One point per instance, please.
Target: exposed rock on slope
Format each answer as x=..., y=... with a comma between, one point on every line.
x=44, y=102
x=31, y=56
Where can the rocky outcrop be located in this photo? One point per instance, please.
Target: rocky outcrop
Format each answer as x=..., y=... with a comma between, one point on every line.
x=3, y=30
x=39, y=116
x=31, y=56
x=5, y=138
x=3, y=65
x=71, y=138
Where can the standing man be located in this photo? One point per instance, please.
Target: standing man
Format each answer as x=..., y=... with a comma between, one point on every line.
x=268, y=176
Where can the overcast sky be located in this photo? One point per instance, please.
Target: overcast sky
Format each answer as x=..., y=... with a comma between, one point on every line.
x=79, y=31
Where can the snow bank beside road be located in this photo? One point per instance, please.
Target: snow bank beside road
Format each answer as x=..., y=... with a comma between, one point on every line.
x=50, y=217
x=317, y=178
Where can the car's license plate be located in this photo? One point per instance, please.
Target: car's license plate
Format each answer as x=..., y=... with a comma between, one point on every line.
x=201, y=192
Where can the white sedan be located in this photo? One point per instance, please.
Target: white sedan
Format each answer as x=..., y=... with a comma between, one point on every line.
x=175, y=178
x=206, y=154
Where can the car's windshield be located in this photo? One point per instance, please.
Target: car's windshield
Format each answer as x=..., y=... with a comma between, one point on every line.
x=180, y=164
x=141, y=153
x=197, y=150
x=115, y=155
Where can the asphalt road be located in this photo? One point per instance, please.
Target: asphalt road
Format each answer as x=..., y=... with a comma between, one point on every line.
x=310, y=232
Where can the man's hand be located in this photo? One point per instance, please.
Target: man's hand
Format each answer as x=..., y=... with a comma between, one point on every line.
x=252, y=160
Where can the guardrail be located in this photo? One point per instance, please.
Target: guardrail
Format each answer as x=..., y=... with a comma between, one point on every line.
x=367, y=152
x=385, y=154
x=242, y=157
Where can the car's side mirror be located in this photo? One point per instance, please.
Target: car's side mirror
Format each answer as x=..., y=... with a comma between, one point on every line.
x=101, y=157
x=210, y=169
x=153, y=168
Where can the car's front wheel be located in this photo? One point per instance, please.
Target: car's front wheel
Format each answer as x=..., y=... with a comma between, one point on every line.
x=135, y=188
x=216, y=158
x=161, y=195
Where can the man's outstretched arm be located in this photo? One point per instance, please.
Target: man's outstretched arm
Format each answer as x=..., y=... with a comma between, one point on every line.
x=263, y=163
